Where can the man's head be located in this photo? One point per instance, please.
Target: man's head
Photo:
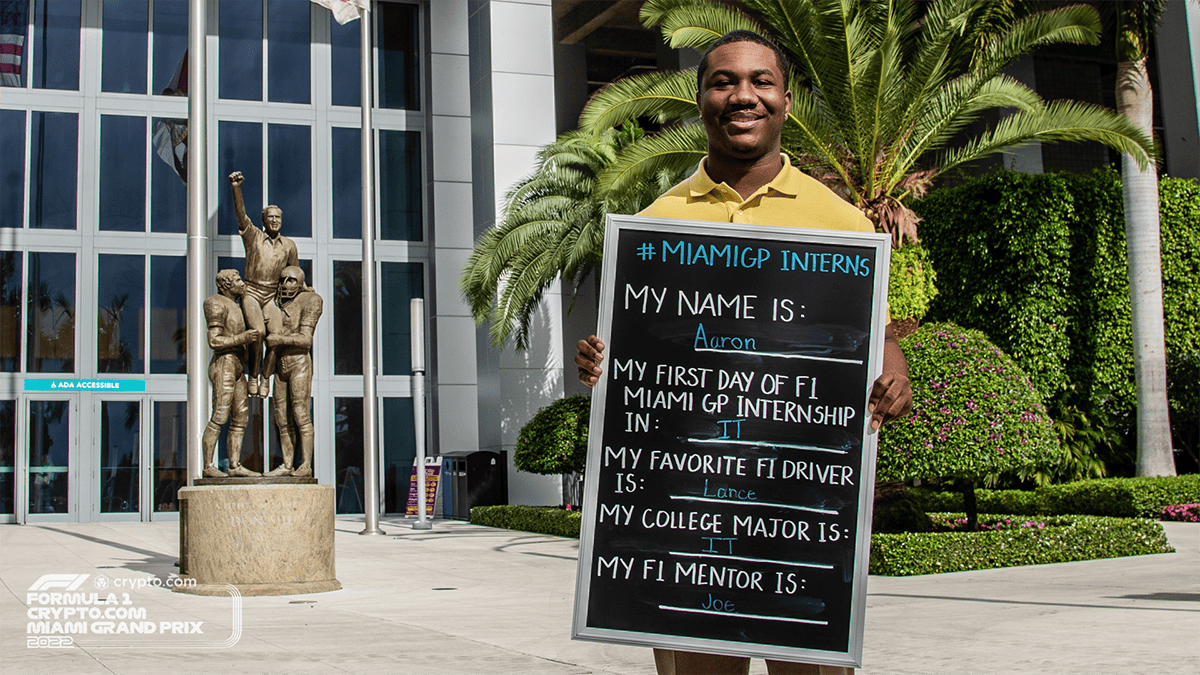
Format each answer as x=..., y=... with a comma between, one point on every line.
x=291, y=282
x=230, y=280
x=743, y=96
x=272, y=219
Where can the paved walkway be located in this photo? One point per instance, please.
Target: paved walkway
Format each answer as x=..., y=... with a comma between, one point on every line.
x=467, y=599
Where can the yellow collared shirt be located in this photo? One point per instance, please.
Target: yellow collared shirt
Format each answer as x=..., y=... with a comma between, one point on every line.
x=791, y=199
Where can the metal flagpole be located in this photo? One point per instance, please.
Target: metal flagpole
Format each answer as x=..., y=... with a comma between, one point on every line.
x=370, y=418
x=416, y=311
x=197, y=234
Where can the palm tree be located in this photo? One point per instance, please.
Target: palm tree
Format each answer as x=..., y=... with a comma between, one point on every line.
x=883, y=92
x=1136, y=22
x=552, y=226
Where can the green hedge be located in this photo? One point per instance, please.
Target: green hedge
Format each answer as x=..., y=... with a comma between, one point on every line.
x=1121, y=497
x=1037, y=262
x=539, y=519
x=1064, y=539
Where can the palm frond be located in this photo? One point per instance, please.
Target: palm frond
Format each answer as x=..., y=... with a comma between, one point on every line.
x=673, y=150
x=794, y=23
x=662, y=97
x=694, y=23
x=1078, y=24
x=1060, y=121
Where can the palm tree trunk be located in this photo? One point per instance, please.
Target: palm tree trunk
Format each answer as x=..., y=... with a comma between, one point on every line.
x=1140, y=191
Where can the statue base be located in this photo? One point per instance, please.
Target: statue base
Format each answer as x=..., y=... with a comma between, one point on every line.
x=264, y=538
x=256, y=480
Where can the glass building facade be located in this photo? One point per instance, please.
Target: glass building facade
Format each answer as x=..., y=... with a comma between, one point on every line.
x=93, y=219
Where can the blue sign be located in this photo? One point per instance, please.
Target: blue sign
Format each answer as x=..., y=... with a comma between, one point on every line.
x=49, y=384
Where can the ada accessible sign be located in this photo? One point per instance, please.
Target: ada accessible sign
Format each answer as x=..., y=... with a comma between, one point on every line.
x=47, y=384
x=730, y=465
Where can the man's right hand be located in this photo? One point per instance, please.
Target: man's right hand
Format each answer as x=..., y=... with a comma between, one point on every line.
x=587, y=358
x=249, y=336
x=235, y=179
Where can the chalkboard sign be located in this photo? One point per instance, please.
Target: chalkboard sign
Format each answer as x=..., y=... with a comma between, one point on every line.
x=730, y=461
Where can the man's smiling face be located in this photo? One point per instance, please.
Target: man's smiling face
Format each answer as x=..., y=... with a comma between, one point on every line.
x=743, y=101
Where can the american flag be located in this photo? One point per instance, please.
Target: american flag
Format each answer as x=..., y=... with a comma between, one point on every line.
x=14, y=20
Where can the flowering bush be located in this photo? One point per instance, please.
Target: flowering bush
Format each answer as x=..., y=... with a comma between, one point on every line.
x=975, y=413
x=1188, y=513
x=960, y=525
x=555, y=440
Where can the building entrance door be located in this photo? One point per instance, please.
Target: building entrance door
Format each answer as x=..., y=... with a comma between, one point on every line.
x=47, y=470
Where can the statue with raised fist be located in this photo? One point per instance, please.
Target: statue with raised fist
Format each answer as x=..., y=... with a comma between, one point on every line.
x=267, y=254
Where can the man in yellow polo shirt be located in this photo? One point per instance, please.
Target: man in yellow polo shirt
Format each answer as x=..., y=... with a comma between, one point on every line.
x=743, y=99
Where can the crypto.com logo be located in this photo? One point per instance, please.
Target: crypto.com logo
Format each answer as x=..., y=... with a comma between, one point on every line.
x=67, y=582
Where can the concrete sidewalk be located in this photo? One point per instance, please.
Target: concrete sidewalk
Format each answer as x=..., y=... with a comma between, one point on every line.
x=467, y=599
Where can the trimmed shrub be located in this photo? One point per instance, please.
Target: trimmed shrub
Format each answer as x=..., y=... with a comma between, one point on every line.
x=555, y=440
x=1063, y=539
x=1120, y=497
x=911, y=283
x=1038, y=263
x=1142, y=497
x=539, y=519
x=975, y=412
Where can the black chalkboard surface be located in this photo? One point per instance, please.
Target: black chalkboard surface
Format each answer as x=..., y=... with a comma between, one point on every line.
x=730, y=465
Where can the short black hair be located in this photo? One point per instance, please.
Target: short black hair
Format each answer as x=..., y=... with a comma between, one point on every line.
x=743, y=36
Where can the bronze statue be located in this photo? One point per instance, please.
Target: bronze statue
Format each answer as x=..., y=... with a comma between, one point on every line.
x=267, y=253
x=228, y=337
x=291, y=320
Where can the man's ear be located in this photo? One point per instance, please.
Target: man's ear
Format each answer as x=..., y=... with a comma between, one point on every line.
x=787, y=97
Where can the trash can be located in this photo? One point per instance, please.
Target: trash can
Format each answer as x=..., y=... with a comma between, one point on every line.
x=478, y=479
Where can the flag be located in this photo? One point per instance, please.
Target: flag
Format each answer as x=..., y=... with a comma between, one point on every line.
x=344, y=10
x=171, y=135
x=14, y=21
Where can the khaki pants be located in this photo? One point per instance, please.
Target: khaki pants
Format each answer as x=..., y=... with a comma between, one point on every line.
x=671, y=662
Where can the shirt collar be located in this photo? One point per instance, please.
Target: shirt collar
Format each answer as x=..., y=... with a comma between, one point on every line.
x=786, y=182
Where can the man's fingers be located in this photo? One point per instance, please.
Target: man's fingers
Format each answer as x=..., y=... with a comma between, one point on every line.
x=587, y=358
x=891, y=398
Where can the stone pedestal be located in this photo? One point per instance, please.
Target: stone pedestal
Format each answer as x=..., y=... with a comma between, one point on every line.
x=265, y=539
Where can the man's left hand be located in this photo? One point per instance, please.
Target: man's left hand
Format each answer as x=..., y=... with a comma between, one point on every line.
x=891, y=398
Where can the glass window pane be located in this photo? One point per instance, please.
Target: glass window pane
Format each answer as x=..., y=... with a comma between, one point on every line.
x=121, y=292
x=348, y=452
x=396, y=38
x=241, y=36
x=14, y=28
x=120, y=451
x=399, y=449
x=51, y=331
x=168, y=192
x=239, y=147
x=56, y=44
x=347, y=317
x=399, y=185
x=10, y=311
x=289, y=176
x=398, y=283
x=122, y=173
x=288, y=38
x=52, y=158
x=170, y=43
x=12, y=166
x=347, y=183
x=125, y=27
x=49, y=453
x=345, y=42
x=170, y=453
x=8, y=444
x=168, y=324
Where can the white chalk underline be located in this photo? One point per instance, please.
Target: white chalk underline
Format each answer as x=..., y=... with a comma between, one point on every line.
x=820, y=566
x=715, y=500
x=793, y=446
x=781, y=355
x=744, y=616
